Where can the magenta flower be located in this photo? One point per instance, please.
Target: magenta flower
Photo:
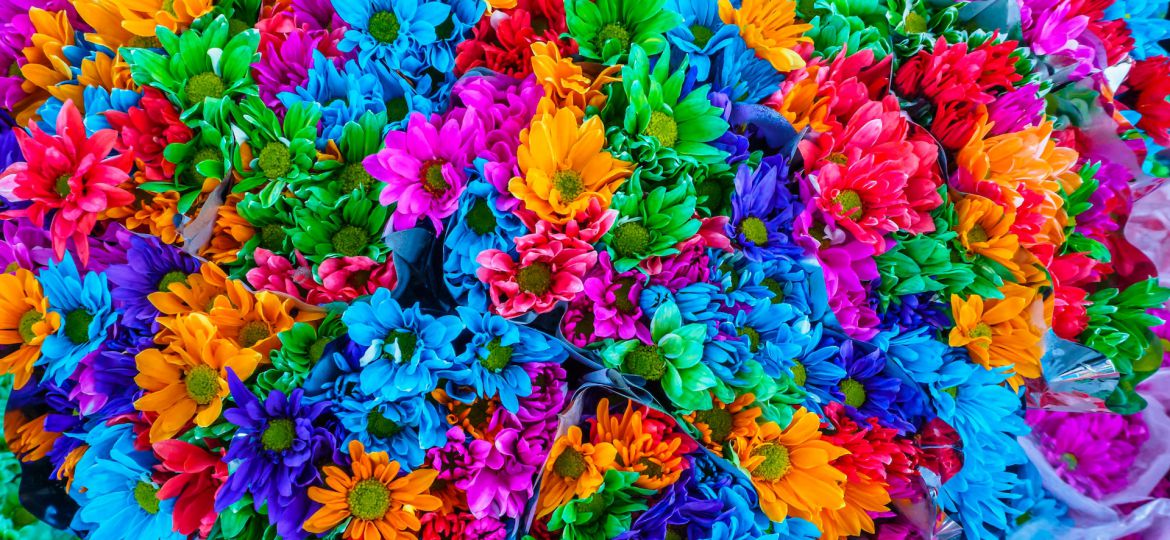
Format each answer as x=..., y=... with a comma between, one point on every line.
x=425, y=166
x=551, y=269
x=502, y=474
x=285, y=63
x=1016, y=110
x=273, y=273
x=342, y=279
x=550, y=391
x=848, y=265
x=587, y=226
x=614, y=301
x=1093, y=452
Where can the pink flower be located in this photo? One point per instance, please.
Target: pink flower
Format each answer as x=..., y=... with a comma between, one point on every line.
x=424, y=167
x=550, y=270
x=614, y=302
x=273, y=273
x=345, y=278
x=588, y=226
x=502, y=473
x=71, y=173
x=1093, y=452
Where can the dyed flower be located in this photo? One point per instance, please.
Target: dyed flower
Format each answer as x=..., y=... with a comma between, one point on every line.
x=763, y=211
x=565, y=83
x=25, y=321
x=550, y=269
x=999, y=332
x=86, y=313
x=604, y=514
x=651, y=224
x=493, y=363
x=770, y=29
x=725, y=422
x=404, y=428
x=502, y=472
x=253, y=321
x=150, y=267
x=343, y=93
x=574, y=468
x=657, y=458
x=985, y=229
x=198, y=474
x=350, y=227
x=384, y=30
x=278, y=153
x=607, y=30
x=1092, y=452
x=502, y=43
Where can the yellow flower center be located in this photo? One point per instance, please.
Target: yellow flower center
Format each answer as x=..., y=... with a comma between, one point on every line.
x=676, y=532
x=27, y=321
x=854, y=393
x=1070, y=460
x=535, y=278
x=431, y=175
x=775, y=464
x=838, y=158
x=622, y=302
x=61, y=185
x=630, y=239
x=614, y=31
x=981, y=330
x=279, y=434
x=480, y=218
x=203, y=86
x=754, y=230
x=254, y=332
x=384, y=26
x=915, y=23
x=498, y=356
x=663, y=128
x=718, y=422
x=146, y=495
x=850, y=202
x=568, y=183
x=645, y=361
x=77, y=326
x=275, y=160
x=380, y=426
x=753, y=337
x=369, y=500
x=169, y=278
x=272, y=237
x=350, y=241
x=650, y=469
x=570, y=464
x=202, y=384
x=145, y=42
x=799, y=373
x=204, y=153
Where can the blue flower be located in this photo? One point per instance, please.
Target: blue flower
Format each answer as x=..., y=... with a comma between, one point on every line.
x=973, y=399
x=697, y=302
x=86, y=311
x=98, y=100
x=978, y=495
x=866, y=389
x=1039, y=515
x=818, y=371
x=492, y=364
x=343, y=95
x=402, y=99
x=782, y=279
x=112, y=484
x=407, y=348
x=681, y=510
x=385, y=29
x=743, y=76
x=404, y=428
x=701, y=35
x=478, y=225
x=1147, y=24
x=763, y=210
x=773, y=331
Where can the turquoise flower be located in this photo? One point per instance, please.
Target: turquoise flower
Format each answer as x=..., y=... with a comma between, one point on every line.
x=403, y=428
x=86, y=310
x=701, y=35
x=342, y=94
x=1147, y=24
x=385, y=29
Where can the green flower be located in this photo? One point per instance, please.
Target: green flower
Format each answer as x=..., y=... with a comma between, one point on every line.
x=202, y=69
x=352, y=227
x=674, y=359
x=850, y=26
x=607, y=30
x=358, y=140
x=1119, y=328
x=271, y=223
x=919, y=24
x=282, y=154
x=777, y=398
x=607, y=513
x=650, y=225
x=200, y=163
x=301, y=347
x=241, y=14
x=652, y=123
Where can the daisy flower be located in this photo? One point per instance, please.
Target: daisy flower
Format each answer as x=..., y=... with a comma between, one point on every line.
x=86, y=313
x=574, y=468
x=607, y=29
x=770, y=28
x=25, y=321
x=550, y=269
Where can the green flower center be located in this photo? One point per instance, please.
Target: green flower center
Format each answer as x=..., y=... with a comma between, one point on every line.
x=278, y=436
x=614, y=31
x=203, y=86
x=350, y=241
x=275, y=160
x=850, y=202
x=754, y=230
x=254, y=332
x=775, y=288
x=354, y=176
x=317, y=349
x=445, y=29
x=776, y=463
x=914, y=23
x=480, y=218
x=369, y=499
x=799, y=373
x=952, y=390
x=204, y=153
x=718, y=422
x=380, y=426
x=144, y=42
x=570, y=464
x=406, y=341
x=146, y=495
x=174, y=276
x=272, y=237
x=645, y=361
x=568, y=183
x=594, y=506
x=977, y=234
x=622, y=302
x=477, y=413
x=27, y=321
x=535, y=278
x=650, y=469
x=61, y=185
x=838, y=158
x=663, y=128
x=753, y=337
x=202, y=384
x=498, y=356
x=431, y=175
x=1069, y=460
x=854, y=393
x=77, y=325
x=676, y=532
x=384, y=26
x=630, y=238
x=396, y=109
x=980, y=330
x=702, y=35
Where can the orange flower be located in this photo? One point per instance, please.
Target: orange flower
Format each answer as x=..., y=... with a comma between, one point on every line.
x=1027, y=159
x=45, y=62
x=253, y=321
x=802, y=102
x=985, y=228
x=152, y=213
x=573, y=468
x=566, y=86
x=197, y=295
x=658, y=461
x=863, y=498
x=1000, y=332
x=382, y=504
x=726, y=422
x=25, y=321
x=26, y=438
x=770, y=28
x=65, y=471
x=228, y=234
x=790, y=468
x=188, y=379
x=563, y=167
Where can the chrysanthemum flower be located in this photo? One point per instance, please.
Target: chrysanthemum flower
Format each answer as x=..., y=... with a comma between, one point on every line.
x=601, y=515
x=72, y=174
x=770, y=28
x=143, y=17
x=188, y=379
x=864, y=197
x=763, y=210
x=198, y=474
x=346, y=278
x=985, y=229
x=379, y=503
x=350, y=227
x=285, y=60
x=278, y=152
x=657, y=459
x=790, y=468
x=253, y=321
x=957, y=72
x=651, y=224
x=150, y=267
x=574, y=468
x=45, y=63
x=1146, y=91
x=86, y=312
x=725, y=422
x=403, y=428
x=196, y=294
x=502, y=43
x=502, y=472
x=385, y=30
x=565, y=83
x=550, y=269
x=606, y=30
x=343, y=93
x=25, y=321
x=999, y=332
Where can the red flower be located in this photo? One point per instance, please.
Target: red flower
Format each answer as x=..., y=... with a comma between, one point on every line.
x=956, y=122
x=1069, y=316
x=550, y=269
x=145, y=131
x=502, y=42
x=952, y=73
x=198, y=475
x=1145, y=91
x=876, y=453
x=1114, y=36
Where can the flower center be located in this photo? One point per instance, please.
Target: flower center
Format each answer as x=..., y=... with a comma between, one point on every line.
x=431, y=175
x=569, y=184
x=953, y=391
x=27, y=321
x=676, y=532
x=915, y=23
x=380, y=426
x=754, y=230
x=535, y=278
x=145, y=42
x=498, y=356
x=630, y=238
x=775, y=288
x=799, y=373
x=775, y=464
x=623, y=302
x=384, y=26
x=174, y=276
x=1069, y=460
x=203, y=86
x=753, y=337
x=350, y=241
x=663, y=128
x=204, y=153
x=235, y=26
x=614, y=31
x=645, y=361
x=977, y=234
x=354, y=176
x=317, y=349
x=146, y=495
x=77, y=325
x=981, y=330
x=702, y=35
x=278, y=436
x=396, y=109
x=202, y=384
x=854, y=393
x=406, y=341
x=272, y=237
x=850, y=203
x=650, y=469
x=718, y=422
x=275, y=160
x=712, y=195
x=838, y=158
x=570, y=464
x=254, y=332
x=369, y=500
x=480, y=218
x=61, y=185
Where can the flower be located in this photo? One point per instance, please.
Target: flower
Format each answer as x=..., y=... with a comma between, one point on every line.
x=790, y=468
x=866, y=389
x=574, y=468
x=770, y=28
x=1146, y=21
x=25, y=321
x=725, y=422
x=198, y=474
x=493, y=363
x=253, y=321
x=403, y=428
x=145, y=130
x=71, y=173
x=188, y=378
x=607, y=30
x=150, y=267
x=985, y=229
x=502, y=43
x=999, y=332
x=378, y=503
x=350, y=227
x=604, y=514
x=384, y=30
x=651, y=224
x=1145, y=92
x=563, y=167
x=763, y=211
x=86, y=313
x=343, y=94
x=501, y=473
x=1092, y=452
x=550, y=269
x=565, y=83
x=656, y=457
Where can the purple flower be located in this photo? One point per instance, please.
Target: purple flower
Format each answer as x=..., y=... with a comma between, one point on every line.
x=763, y=210
x=451, y=460
x=151, y=267
x=1016, y=110
x=502, y=474
x=105, y=378
x=550, y=391
x=690, y=265
x=1093, y=452
x=24, y=244
x=285, y=64
x=486, y=528
x=680, y=511
x=866, y=391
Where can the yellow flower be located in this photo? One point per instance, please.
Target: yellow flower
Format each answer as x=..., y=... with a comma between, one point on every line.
x=1000, y=333
x=142, y=17
x=228, y=234
x=985, y=228
x=253, y=321
x=770, y=28
x=725, y=422
x=565, y=84
x=25, y=321
x=563, y=166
